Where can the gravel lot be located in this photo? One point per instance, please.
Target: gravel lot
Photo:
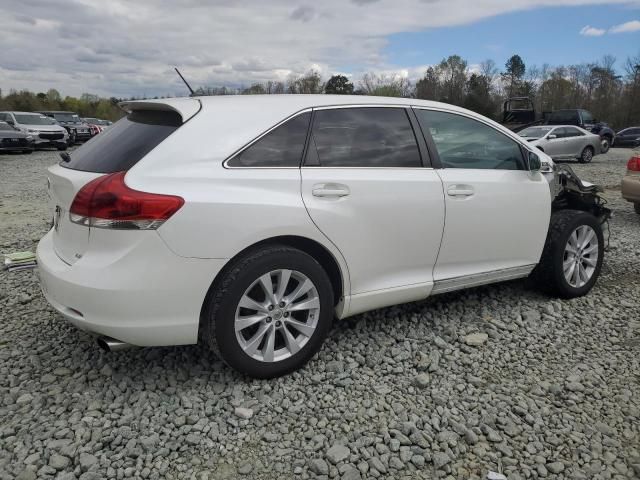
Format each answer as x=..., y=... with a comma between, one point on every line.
x=553, y=391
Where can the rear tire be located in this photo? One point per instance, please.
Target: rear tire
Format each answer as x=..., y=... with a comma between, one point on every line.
x=587, y=155
x=268, y=341
x=605, y=144
x=563, y=273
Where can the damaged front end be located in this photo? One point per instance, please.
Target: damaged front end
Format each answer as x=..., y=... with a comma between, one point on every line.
x=569, y=192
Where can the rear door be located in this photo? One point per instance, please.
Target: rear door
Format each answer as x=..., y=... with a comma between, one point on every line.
x=121, y=147
x=365, y=187
x=497, y=212
x=575, y=141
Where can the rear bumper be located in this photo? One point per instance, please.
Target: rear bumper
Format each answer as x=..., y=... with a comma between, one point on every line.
x=142, y=294
x=631, y=188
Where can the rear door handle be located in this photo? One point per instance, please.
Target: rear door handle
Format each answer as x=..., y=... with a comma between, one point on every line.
x=330, y=190
x=460, y=191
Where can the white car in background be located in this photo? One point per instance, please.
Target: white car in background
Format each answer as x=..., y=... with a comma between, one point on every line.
x=563, y=142
x=249, y=222
x=45, y=131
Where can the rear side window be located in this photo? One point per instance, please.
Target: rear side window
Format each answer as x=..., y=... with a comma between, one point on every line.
x=281, y=147
x=128, y=140
x=466, y=143
x=363, y=137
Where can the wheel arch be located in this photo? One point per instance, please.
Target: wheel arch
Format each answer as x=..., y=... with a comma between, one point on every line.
x=315, y=249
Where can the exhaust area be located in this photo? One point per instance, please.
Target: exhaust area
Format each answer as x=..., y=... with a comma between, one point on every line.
x=109, y=344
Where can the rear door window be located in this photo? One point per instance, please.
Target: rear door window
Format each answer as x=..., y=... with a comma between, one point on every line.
x=572, y=132
x=281, y=147
x=125, y=143
x=363, y=137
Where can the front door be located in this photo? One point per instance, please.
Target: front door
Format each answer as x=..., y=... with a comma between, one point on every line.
x=497, y=212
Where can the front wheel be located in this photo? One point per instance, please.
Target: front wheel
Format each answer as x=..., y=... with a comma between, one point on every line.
x=572, y=255
x=605, y=144
x=270, y=312
x=587, y=155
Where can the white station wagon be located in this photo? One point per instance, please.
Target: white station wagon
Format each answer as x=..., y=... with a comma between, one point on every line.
x=251, y=222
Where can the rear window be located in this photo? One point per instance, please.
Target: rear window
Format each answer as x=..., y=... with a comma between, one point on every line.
x=128, y=140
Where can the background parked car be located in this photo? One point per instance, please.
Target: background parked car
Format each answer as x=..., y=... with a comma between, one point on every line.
x=629, y=137
x=584, y=119
x=98, y=121
x=45, y=131
x=564, y=142
x=631, y=183
x=78, y=130
x=13, y=140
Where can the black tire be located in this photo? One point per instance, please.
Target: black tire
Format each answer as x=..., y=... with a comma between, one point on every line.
x=549, y=273
x=587, y=155
x=605, y=144
x=636, y=207
x=218, y=316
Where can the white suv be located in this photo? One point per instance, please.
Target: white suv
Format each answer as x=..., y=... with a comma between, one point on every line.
x=250, y=222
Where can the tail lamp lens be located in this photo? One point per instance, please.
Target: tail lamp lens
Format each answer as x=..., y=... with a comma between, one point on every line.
x=634, y=164
x=107, y=202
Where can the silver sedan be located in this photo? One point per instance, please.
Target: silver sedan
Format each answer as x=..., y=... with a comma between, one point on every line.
x=564, y=142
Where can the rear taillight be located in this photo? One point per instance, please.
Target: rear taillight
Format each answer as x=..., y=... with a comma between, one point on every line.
x=106, y=202
x=634, y=164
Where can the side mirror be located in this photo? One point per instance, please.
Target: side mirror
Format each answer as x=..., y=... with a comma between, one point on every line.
x=551, y=136
x=533, y=162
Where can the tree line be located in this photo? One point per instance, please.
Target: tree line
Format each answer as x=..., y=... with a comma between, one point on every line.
x=610, y=95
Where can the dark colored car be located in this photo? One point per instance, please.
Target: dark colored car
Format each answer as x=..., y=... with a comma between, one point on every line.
x=584, y=119
x=79, y=130
x=629, y=137
x=13, y=140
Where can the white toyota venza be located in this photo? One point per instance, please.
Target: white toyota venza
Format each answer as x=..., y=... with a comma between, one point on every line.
x=250, y=222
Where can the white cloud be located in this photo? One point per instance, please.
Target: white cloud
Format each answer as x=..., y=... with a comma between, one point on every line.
x=124, y=48
x=589, y=31
x=632, y=26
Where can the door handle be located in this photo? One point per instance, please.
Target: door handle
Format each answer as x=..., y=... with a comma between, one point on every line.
x=460, y=191
x=330, y=190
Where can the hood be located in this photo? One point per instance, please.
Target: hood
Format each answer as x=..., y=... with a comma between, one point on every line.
x=44, y=128
x=12, y=134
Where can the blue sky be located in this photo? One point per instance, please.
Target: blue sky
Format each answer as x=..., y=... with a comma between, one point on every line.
x=544, y=35
x=125, y=48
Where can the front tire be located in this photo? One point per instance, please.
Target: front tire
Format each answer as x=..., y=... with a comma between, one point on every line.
x=572, y=257
x=270, y=312
x=605, y=144
x=587, y=155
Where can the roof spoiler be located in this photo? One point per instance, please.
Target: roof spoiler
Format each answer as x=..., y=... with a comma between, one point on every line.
x=185, y=107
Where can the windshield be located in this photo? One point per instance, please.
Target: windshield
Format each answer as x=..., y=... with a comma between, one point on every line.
x=5, y=126
x=25, y=119
x=66, y=117
x=535, y=132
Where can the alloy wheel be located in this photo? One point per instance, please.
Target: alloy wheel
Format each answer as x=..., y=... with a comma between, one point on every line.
x=277, y=315
x=580, y=256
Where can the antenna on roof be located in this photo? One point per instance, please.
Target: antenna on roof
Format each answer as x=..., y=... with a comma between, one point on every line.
x=185, y=82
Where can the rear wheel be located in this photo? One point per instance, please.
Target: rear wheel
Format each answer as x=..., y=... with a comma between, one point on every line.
x=605, y=144
x=270, y=312
x=572, y=255
x=587, y=155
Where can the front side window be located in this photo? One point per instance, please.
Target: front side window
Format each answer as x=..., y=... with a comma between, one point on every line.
x=363, y=137
x=466, y=143
x=281, y=147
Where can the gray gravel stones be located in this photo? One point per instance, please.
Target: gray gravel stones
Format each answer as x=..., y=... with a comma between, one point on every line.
x=338, y=453
x=476, y=339
x=553, y=390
